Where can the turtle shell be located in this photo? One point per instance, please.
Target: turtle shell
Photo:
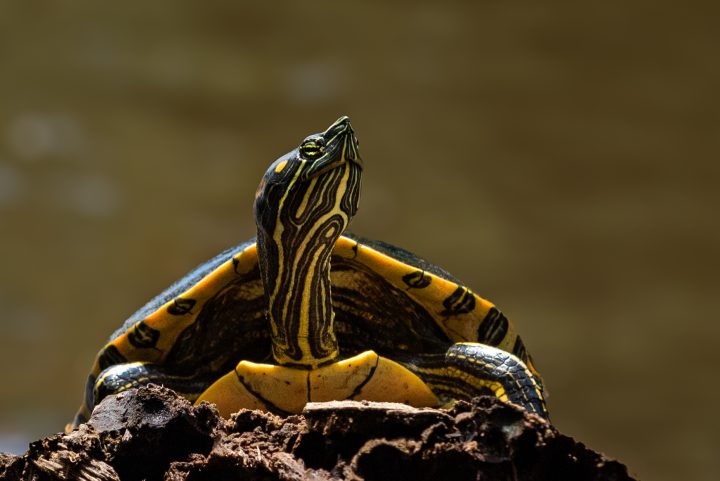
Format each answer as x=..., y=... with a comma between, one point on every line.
x=385, y=299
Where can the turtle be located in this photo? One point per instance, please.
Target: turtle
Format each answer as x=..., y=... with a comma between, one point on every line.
x=309, y=312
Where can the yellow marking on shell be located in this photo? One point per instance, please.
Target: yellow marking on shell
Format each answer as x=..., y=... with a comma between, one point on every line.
x=171, y=326
x=459, y=328
x=280, y=166
x=246, y=260
x=365, y=376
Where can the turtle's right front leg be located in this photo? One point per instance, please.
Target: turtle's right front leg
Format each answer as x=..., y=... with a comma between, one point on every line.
x=121, y=377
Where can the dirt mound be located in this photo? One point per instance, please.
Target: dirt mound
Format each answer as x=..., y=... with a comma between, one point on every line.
x=153, y=434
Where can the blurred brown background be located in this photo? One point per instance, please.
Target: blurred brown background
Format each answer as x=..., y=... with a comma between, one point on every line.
x=562, y=161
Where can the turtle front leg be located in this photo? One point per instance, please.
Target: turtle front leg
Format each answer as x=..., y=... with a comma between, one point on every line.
x=475, y=368
x=121, y=377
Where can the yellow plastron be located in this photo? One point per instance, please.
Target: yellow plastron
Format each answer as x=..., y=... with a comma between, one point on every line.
x=366, y=376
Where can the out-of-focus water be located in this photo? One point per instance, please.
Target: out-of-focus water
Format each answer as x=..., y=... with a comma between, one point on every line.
x=561, y=160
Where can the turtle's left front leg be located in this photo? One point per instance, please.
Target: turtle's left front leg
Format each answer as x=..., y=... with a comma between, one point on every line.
x=474, y=368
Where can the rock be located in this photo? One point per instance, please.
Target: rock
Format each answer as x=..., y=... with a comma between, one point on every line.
x=10, y=466
x=144, y=430
x=152, y=433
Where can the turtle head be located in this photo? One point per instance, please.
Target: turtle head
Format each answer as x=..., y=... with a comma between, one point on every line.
x=303, y=204
x=313, y=182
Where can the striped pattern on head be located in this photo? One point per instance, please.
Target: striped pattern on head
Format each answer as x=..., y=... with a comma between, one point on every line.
x=303, y=204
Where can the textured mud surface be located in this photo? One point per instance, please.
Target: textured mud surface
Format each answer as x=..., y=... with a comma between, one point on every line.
x=152, y=434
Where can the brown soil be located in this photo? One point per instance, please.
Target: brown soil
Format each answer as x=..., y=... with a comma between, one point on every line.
x=153, y=434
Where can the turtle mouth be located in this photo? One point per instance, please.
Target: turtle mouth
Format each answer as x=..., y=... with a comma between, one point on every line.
x=341, y=146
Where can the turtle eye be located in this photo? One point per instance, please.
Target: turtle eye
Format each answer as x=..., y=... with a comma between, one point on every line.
x=311, y=150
